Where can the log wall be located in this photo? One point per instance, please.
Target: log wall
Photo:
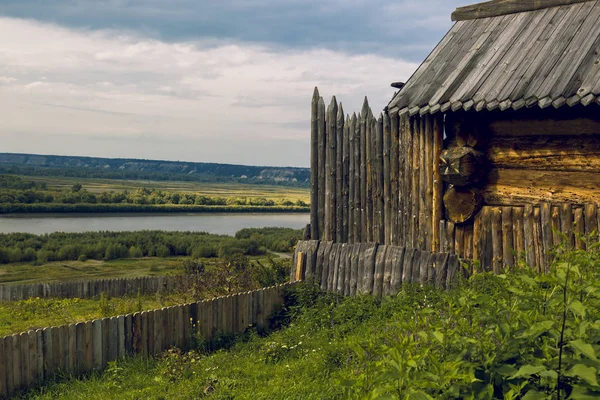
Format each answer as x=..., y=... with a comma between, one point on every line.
x=92, y=288
x=371, y=268
x=378, y=178
x=520, y=235
x=30, y=358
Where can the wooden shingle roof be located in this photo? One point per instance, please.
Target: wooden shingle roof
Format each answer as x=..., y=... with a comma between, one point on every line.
x=545, y=57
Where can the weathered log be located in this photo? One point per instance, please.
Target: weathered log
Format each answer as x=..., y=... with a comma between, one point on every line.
x=322, y=151
x=414, y=127
x=579, y=229
x=387, y=177
x=363, y=170
x=339, y=174
x=461, y=166
x=438, y=186
x=507, y=237
x=462, y=204
x=423, y=221
x=497, y=251
x=351, y=179
x=314, y=166
x=357, y=182
x=345, y=180
x=566, y=224
x=378, y=202
x=519, y=241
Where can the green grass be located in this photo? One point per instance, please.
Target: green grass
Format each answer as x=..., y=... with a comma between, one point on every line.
x=208, y=189
x=34, y=313
x=516, y=336
x=24, y=273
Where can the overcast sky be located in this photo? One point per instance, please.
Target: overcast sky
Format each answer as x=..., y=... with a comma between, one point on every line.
x=199, y=80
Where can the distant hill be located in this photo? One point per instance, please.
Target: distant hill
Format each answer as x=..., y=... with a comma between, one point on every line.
x=129, y=168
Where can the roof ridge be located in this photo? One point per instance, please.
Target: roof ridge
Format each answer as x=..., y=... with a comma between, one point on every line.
x=495, y=8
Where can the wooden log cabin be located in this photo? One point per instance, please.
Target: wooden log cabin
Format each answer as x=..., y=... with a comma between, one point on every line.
x=491, y=150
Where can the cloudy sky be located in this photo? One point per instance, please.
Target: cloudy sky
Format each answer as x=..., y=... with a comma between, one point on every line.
x=199, y=80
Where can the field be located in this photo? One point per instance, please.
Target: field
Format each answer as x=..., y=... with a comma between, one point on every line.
x=515, y=336
x=55, y=271
x=271, y=192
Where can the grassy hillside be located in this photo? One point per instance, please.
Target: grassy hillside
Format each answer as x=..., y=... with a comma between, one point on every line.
x=157, y=170
x=515, y=336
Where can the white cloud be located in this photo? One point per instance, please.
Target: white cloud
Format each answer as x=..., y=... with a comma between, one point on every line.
x=200, y=101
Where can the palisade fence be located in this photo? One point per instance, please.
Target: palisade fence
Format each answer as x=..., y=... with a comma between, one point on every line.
x=92, y=288
x=371, y=268
x=375, y=178
x=30, y=358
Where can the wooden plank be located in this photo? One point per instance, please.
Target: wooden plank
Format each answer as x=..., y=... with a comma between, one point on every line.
x=345, y=180
x=441, y=275
x=333, y=255
x=397, y=266
x=344, y=267
x=348, y=269
x=591, y=219
x=429, y=181
x=407, y=263
x=556, y=238
x=354, y=268
x=3, y=367
x=403, y=180
x=578, y=228
x=518, y=231
x=468, y=247
x=352, y=180
x=566, y=224
x=538, y=242
x=379, y=270
x=477, y=241
x=71, y=352
x=368, y=149
x=380, y=154
x=32, y=354
x=507, y=237
x=339, y=179
x=23, y=346
x=322, y=151
x=16, y=362
x=416, y=266
x=528, y=237
x=452, y=270
x=389, y=208
x=459, y=240
x=496, y=8
x=438, y=186
x=424, y=266
x=358, y=177
x=8, y=363
x=363, y=117
x=314, y=165
x=97, y=345
x=497, y=250
x=416, y=185
x=388, y=269
x=329, y=233
x=423, y=220
x=547, y=236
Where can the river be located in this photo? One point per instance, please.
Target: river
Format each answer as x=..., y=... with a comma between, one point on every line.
x=217, y=223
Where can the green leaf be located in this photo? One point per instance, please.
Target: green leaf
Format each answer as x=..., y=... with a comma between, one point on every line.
x=528, y=370
x=577, y=308
x=584, y=348
x=418, y=395
x=585, y=373
x=533, y=395
x=549, y=374
x=439, y=336
x=506, y=369
x=537, y=329
x=580, y=393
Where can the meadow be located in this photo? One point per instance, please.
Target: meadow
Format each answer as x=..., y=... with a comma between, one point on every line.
x=518, y=335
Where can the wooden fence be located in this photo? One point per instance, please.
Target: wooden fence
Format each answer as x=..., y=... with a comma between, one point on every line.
x=375, y=179
x=30, y=358
x=505, y=235
x=371, y=268
x=91, y=289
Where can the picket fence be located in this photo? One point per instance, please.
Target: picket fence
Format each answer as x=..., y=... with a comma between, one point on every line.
x=91, y=288
x=371, y=268
x=30, y=358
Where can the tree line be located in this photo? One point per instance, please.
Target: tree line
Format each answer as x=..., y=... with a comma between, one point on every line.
x=25, y=247
x=15, y=192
